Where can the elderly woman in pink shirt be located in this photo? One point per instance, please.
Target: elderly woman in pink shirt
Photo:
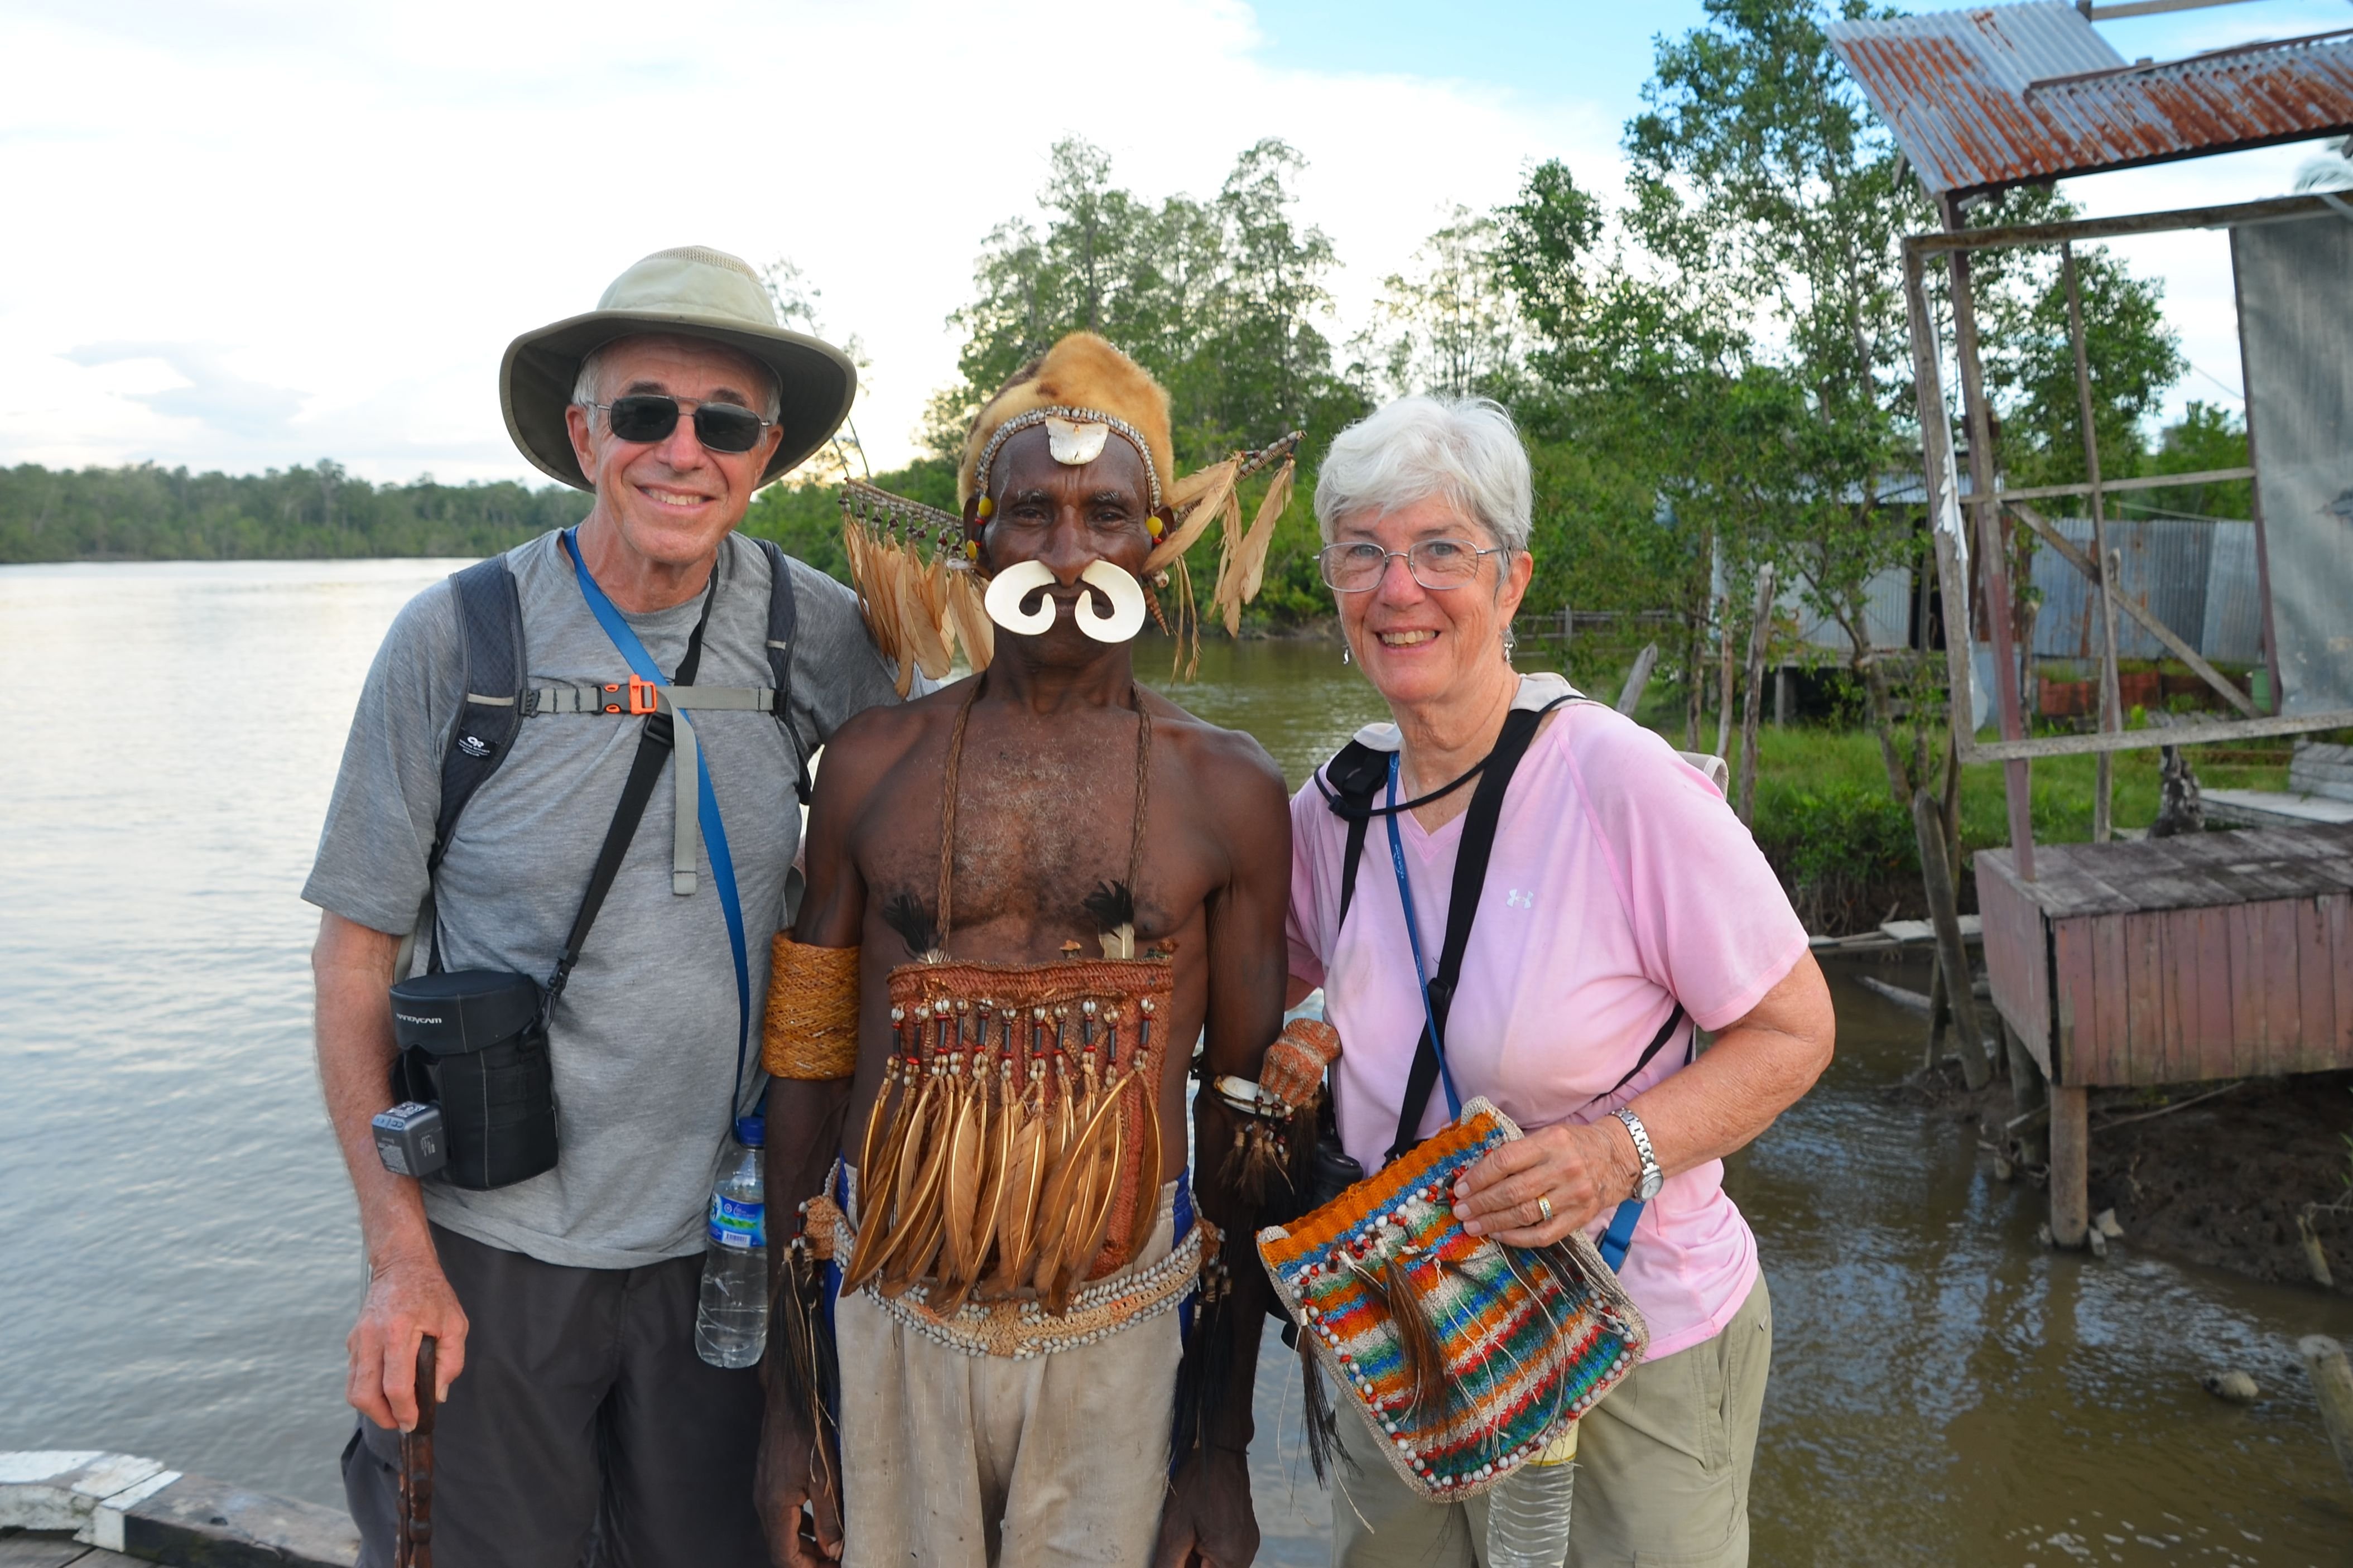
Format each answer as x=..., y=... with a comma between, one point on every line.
x=1624, y=907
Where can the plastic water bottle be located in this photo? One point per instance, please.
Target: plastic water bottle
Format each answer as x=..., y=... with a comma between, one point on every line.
x=1527, y=1516
x=731, y=1325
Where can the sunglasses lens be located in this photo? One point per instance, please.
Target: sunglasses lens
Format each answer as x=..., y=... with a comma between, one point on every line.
x=644, y=417
x=724, y=428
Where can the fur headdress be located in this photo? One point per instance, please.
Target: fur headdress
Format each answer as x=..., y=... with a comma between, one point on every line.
x=922, y=604
x=1083, y=376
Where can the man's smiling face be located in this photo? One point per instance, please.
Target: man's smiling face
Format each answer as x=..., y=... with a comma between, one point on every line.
x=675, y=498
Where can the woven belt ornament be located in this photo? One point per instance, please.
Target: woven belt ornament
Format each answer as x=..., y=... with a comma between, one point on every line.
x=1464, y=1356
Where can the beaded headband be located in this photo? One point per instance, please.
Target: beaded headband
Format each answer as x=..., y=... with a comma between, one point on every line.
x=1061, y=414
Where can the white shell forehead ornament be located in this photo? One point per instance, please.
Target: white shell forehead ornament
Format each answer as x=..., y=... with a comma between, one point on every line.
x=1074, y=437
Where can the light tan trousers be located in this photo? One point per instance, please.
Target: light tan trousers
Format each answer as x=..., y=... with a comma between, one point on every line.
x=1662, y=1471
x=958, y=1461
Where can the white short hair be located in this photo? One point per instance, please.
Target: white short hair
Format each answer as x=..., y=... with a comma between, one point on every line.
x=1463, y=448
x=588, y=386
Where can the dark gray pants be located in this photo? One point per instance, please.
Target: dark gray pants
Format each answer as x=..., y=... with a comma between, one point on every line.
x=584, y=1429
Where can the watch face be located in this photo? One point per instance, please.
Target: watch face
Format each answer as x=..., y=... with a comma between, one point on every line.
x=1653, y=1180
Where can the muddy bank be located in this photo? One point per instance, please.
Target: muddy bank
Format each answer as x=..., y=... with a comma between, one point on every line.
x=2219, y=1182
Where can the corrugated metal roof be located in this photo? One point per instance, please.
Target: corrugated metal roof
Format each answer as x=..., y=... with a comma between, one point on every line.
x=2001, y=95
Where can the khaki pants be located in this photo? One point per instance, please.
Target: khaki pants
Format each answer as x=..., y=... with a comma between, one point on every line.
x=952, y=1460
x=1662, y=1471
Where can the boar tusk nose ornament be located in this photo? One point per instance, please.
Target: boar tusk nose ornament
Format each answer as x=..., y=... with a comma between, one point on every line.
x=1016, y=583
x=1126, y=596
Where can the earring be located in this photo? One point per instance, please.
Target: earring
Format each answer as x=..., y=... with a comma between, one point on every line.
x=1347, y=651
x=1012, y=587
x=1126, y=596
x=1511, y=645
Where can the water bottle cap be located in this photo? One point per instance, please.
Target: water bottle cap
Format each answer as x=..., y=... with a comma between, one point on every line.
x=750, y=1131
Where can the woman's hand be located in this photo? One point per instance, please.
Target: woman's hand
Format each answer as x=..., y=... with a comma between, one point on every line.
x=1578, y=1171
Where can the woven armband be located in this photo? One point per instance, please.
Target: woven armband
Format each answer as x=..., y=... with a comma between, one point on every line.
x=812, y=1025
x=1293, y=1069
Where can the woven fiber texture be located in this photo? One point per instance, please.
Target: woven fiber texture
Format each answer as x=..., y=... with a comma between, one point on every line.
x=1528, y=1339
x=811, y=1032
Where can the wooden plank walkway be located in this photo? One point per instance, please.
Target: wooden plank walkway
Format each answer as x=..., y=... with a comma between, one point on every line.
x=20, y=1549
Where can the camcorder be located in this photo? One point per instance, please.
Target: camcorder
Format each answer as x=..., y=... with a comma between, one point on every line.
x=474, y=1086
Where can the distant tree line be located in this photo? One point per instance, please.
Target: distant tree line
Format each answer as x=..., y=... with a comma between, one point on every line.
x=147, y=513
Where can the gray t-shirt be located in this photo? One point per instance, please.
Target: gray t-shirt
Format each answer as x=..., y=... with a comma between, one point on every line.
x=644, y=1038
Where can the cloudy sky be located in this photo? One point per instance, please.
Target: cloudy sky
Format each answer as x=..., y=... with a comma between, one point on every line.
x=249, y=235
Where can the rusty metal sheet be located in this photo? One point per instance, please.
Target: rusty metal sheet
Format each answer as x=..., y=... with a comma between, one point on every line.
x=1991, y=96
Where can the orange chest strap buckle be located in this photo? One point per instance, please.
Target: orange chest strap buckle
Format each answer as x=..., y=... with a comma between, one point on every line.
x=643, y=696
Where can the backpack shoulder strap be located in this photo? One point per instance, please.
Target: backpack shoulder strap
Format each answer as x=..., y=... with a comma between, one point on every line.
x=783, y=614
x=489, y=622
x=1355, y=773
x=1480, y=824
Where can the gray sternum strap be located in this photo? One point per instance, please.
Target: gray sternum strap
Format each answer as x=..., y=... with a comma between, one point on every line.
x=631, y=698
x=543, y=701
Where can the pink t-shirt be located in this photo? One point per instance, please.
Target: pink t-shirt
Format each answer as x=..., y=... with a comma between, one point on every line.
x=1621, y=881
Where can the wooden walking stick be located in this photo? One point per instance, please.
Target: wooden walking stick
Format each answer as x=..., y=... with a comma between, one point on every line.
x=414, y=1548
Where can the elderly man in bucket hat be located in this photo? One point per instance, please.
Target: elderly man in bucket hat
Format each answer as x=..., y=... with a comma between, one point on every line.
x=649, y=660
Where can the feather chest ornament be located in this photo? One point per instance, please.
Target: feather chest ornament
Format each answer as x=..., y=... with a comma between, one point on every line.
x=1464, y=1356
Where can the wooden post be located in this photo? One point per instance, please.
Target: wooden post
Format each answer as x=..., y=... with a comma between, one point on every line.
x=2332, y=1382
x=1952, y=954
x=1760, y=627
x=2017, y=781
x=2071, y=1163
x=1637, y=678
x=2111, y=704
x=1724, y=676
x=1939, y=1015
x=2027, y=1092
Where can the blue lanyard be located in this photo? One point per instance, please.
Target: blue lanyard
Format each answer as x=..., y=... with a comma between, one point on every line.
x=1413, y=934
x=1620, y=1234
x=714, y=831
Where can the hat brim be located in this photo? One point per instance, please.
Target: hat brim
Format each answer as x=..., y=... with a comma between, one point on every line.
x=816, y=382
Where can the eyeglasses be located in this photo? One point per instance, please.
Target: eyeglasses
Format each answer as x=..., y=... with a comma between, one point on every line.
x=1436, y=563
x=651, y=417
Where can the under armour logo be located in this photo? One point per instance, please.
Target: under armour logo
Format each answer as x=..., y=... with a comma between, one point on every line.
x=475, y=746
x=1514, y=898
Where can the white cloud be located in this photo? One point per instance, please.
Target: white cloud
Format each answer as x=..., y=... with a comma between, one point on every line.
x=325, y=222
x=367, y=203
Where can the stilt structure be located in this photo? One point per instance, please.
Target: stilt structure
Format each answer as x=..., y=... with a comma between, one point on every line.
x=2199, y=956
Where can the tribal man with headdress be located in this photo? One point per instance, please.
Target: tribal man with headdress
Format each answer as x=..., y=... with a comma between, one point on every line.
x=1029, y=893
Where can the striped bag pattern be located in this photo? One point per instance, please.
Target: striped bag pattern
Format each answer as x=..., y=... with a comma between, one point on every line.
x=1462, y=1355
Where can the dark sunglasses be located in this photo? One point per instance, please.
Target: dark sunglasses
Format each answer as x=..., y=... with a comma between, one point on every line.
x=651, y=417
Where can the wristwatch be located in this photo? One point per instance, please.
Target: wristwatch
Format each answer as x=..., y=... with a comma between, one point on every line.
x=1652, y=1177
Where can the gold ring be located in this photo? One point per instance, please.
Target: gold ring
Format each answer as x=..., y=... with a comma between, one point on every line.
x=1544, y=1206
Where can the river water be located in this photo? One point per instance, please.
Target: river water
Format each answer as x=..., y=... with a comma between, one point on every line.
x=179, y=1258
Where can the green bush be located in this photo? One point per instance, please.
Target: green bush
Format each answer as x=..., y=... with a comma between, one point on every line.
x=1845, y=852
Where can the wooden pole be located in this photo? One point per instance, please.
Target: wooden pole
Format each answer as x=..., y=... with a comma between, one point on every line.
x=2332, y=1382
x=2027, y=1091
x=1724, y=676
x=1952, y=955
x=2111, y=704
x=413, y=1547
x=2018, y=785
x=1939, y=1014
x=2071, y=1163
x=1638, y=677
x=1760, y=628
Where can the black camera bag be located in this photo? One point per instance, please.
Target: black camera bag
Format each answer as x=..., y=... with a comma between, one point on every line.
x=472, y=1041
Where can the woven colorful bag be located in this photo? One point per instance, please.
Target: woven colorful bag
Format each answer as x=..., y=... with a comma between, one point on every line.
x=1464, y=1355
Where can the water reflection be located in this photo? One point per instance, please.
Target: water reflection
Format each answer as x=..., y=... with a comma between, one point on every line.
x=181, y=1260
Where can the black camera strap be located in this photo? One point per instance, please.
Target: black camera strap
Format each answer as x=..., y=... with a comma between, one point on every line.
x=654, y=745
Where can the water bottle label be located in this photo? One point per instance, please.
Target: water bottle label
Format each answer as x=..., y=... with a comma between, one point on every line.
x=741, y=1226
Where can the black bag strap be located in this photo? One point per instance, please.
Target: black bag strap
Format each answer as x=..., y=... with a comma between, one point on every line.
x=783, y=614
x=654, y=744
x=489, y=622
x=1478, y=845
x=1356, y=774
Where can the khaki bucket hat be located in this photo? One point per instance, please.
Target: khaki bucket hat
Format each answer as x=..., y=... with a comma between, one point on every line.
x=690, y=291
